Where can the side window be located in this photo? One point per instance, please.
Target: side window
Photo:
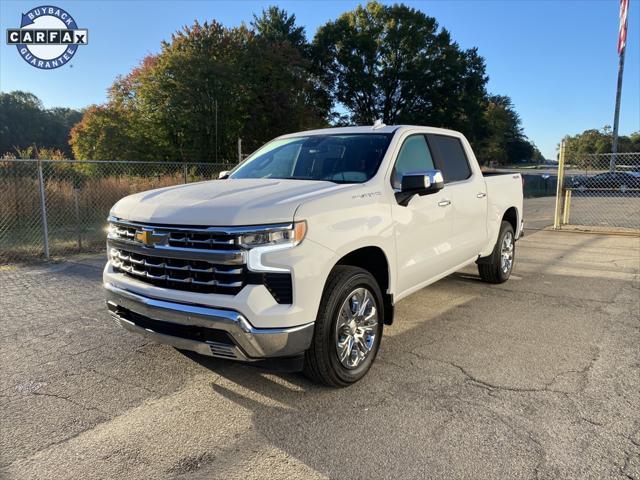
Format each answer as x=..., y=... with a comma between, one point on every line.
x=450, y=157
x=414, y=156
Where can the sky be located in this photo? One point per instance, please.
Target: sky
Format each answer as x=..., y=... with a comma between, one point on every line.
x=556, y=59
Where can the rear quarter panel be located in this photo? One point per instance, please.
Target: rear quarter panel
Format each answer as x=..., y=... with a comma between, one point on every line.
x=503, y=192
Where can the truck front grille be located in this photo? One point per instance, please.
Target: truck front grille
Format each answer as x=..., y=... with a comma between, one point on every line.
x=192, y=275
x=194, y=259
x=180, y=238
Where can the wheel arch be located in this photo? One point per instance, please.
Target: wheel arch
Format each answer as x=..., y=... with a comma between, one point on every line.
x=374, y=260
x=511, y=216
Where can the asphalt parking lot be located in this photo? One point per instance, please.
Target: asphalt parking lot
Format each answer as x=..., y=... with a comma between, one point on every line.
x=535, y=378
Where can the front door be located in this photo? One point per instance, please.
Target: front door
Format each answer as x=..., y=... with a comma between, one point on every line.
x=423, y=227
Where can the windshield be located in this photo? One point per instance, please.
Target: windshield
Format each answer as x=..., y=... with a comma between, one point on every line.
x=337, y=158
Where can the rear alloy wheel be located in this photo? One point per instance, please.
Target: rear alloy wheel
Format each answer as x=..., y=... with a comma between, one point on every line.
x=497, y=267
x=506, y=253
x=348, y=328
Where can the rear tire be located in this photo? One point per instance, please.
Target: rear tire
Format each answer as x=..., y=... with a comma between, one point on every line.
x=348, y=328
x=497, y=267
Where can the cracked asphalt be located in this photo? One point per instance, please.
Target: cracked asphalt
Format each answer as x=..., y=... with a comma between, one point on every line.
x=535, y=378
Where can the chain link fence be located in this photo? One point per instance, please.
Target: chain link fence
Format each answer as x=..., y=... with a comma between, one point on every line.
x=51, y=209
x=599, y=192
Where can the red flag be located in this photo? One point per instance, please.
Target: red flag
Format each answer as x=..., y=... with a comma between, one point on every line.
x=622, y=31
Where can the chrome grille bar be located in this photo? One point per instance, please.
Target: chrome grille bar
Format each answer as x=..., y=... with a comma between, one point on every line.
x=224, y=257
x=209, y=241
x=145, y=269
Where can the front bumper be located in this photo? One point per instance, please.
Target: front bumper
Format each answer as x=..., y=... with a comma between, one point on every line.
x=205, y=330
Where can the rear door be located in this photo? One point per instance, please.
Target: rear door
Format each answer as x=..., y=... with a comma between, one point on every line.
x=423, y=227
x=467, y=191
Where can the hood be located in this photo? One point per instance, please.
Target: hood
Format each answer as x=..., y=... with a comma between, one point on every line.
x=232, y=202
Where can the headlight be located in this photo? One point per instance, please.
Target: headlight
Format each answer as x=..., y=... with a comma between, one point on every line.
x=290, y=235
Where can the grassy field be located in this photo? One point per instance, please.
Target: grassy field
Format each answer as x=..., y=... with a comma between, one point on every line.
x=77, y=206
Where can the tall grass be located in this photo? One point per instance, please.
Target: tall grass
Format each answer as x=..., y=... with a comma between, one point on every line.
x=78, y=200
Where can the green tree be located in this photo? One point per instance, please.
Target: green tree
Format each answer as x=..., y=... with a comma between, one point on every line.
x=209, y=86
x=600, y=141
x=25, y=122
x=105, y=133
x=537, y=157
x=394, y=63
x=61, y=121
x=22, y=121
x=282, y=96
x=630, y=143
x=276, y=26
x=505, y=142
x=181, y=103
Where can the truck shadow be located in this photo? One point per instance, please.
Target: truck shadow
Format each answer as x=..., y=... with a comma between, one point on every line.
x=456, y=380
x=247, y=374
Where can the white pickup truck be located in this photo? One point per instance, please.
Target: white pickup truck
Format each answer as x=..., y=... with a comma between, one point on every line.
x=301, y=252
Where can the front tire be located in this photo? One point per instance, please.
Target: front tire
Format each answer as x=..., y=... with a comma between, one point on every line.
x=348, y=328
x=497, y=267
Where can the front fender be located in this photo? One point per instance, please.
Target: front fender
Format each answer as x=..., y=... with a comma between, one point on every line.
x=350, y=221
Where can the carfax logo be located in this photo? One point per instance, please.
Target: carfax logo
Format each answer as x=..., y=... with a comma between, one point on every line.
x=48, y=37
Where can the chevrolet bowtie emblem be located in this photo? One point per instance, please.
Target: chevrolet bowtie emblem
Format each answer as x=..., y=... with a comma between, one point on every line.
x=149, y=237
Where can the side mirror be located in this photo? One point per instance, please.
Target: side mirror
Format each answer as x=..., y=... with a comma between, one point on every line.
x=420, y=183
x=223, y=174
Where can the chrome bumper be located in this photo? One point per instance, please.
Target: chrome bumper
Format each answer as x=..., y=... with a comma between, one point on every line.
x=247, y=342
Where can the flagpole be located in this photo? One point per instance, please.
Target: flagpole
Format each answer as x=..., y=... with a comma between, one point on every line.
x=616, y=118
x=622, y=48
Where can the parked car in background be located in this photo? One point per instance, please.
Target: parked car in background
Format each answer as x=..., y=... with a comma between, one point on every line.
x=610, y=181
x=302, y=251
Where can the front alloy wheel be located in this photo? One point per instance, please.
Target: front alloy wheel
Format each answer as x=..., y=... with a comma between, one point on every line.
x=356, y=328
x=348, y=328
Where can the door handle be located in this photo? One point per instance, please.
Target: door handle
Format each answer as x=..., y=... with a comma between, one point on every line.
x=444, y=203
x=481, y=195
